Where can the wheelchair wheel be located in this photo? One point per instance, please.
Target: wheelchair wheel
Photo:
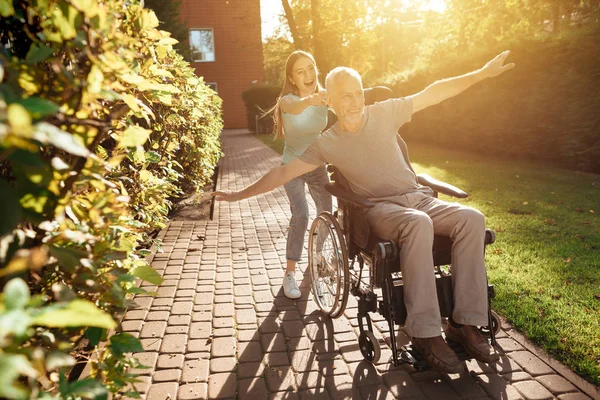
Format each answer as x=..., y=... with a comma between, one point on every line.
x=496, y=325
x=369, y=347
x=328, y=265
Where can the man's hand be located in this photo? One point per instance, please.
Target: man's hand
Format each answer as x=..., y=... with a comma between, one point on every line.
x=495, y=66
x=224, y=196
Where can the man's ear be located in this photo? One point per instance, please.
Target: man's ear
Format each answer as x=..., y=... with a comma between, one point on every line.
x=328, y=100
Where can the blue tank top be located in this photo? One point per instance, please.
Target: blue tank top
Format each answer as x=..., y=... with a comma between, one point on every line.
x=302, y=129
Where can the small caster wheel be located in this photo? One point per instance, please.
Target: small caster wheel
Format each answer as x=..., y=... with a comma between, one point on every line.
x=369, y=346
x=496, y=325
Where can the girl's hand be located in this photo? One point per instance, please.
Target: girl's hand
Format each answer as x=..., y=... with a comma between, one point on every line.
x=224, y=196
x=318, y=98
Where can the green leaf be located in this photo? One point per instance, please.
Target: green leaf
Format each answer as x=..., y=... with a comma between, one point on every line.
x=38, y=52
x=147, y=273
x=134, y=136
x=94, y=335
x=10, y=208
x=152, y=157
x=87, y=388
x=11, y=368
x=58, y=359
x=48, y=133
x=14, y=323
x=39, y=107
x=75, y=313
x=16, y=294
x=6, y=8
x=125, y=343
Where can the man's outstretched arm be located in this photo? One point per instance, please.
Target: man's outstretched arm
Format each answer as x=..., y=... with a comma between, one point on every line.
x=447, y=88
x=272, y=179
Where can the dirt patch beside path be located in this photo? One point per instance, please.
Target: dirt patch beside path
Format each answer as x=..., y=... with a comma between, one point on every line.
x=193, y=206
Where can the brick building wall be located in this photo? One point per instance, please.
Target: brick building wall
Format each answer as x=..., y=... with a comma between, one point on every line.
x=237, y=46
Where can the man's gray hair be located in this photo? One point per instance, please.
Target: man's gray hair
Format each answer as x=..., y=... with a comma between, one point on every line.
x=338, y=72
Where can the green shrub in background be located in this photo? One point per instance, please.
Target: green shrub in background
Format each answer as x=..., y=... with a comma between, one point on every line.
x=545, y=109
x=258, y=100
x=101, y=123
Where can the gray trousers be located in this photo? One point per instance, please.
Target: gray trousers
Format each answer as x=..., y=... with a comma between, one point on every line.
x=315, y=180
x=411, y=221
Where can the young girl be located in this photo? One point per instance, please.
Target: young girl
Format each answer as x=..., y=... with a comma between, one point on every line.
x=300, y=115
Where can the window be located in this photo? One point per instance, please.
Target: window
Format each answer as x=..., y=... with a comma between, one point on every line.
x=212, y=85
x=202, y=45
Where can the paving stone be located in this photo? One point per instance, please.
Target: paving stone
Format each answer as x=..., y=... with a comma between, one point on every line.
x=249, y=352
x=147, y=360
x=251, y=389
x=463, y=385
x=314, y=394
x=166, y=375
x=303, y=361
x=226, y=322
x=222, y=364
x=224, y=310
x=497, y=388
x=508, y=345
x=517, y=376
x=220, y=332
x=199, y=345
x=223, y=347
x=181, y=308
x=574, y=396
x=556, y=384
x=193, y=391
x=279, y=379
x=157, y=316
x=250, y=370
x=533, y=390
x=174, y=343
x=277, y=359
x=273, y=342
x=195, y=371
x=169, y=361
x=163, y=391
x=222, y=386
x=531, y=363
x=505, y=365
x=176, y=320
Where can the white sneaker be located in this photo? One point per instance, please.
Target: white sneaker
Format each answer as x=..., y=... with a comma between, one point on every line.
x=290, y=287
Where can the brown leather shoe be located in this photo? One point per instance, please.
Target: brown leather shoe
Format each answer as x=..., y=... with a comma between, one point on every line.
x=475, y=344
x=439, y=356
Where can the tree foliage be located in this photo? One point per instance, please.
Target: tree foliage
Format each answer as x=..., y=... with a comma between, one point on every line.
x=101, y=122
x=407, y=46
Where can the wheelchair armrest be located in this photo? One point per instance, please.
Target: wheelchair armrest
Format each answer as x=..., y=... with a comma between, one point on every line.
x=342, y=193
x=441, y=187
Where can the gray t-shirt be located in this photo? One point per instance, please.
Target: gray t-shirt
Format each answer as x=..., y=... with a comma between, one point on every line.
x=370, y=158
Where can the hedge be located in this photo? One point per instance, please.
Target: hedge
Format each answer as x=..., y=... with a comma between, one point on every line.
x=101, y=123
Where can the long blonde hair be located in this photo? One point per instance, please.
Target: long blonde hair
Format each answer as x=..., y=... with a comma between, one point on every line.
x=289, y=87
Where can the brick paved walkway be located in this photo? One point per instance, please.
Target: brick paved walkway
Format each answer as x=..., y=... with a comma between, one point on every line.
x=220, y=326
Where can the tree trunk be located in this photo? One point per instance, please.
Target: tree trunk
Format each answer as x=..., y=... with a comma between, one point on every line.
x=289, y=15
x=316, y=33
x=556, y=17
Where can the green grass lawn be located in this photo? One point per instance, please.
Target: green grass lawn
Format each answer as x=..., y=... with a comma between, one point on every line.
x=545, y=264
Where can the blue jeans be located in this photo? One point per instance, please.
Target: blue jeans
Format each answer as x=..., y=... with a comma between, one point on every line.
x=315, y=180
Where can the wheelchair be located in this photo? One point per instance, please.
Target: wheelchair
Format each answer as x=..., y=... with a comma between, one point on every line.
x=344, y=236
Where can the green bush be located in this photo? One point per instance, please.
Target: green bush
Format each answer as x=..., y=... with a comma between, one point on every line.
x=545, y=109
x=258, y=100
x=101, y=122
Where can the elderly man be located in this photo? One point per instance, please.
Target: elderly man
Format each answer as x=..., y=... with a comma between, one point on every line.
x=362, y=145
